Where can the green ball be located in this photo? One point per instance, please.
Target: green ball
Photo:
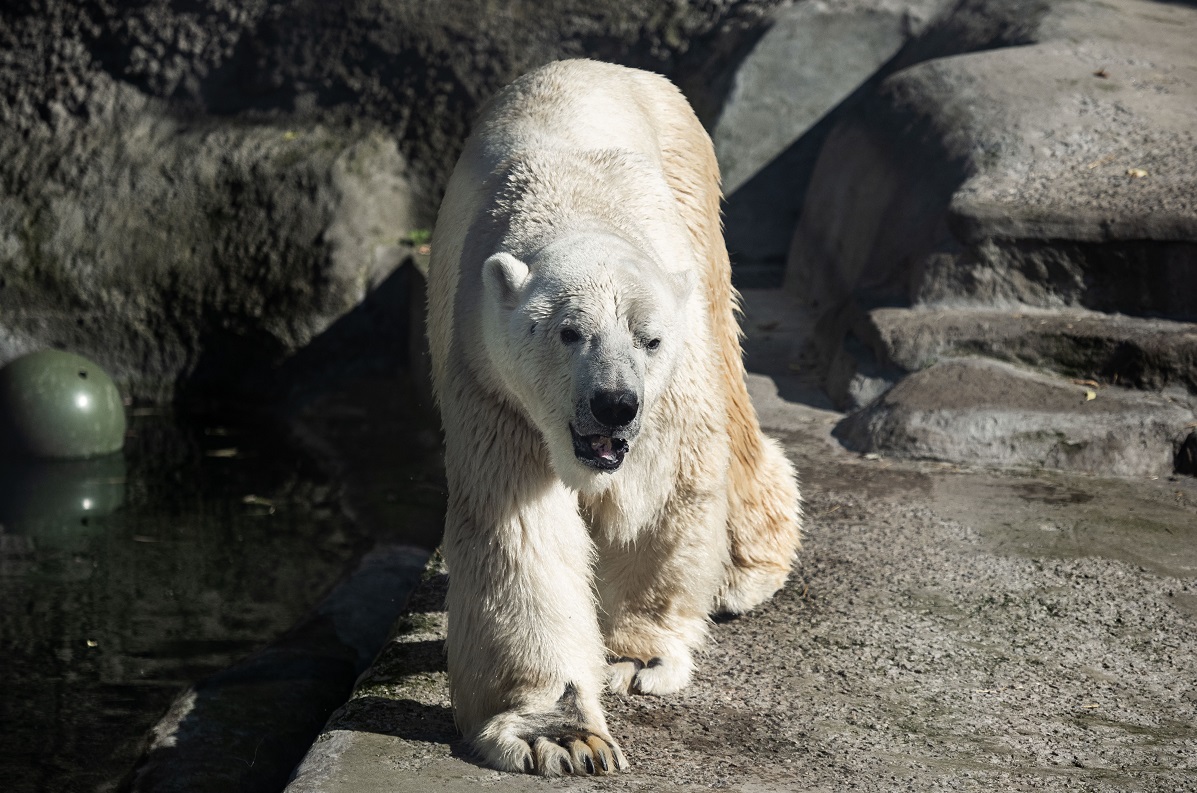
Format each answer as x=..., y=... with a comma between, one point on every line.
x=59, y=405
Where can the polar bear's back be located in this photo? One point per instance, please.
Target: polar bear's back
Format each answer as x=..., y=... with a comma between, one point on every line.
x=619, y=108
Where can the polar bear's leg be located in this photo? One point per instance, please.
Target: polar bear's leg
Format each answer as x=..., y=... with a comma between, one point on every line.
x=657, y=592
x=526, y=659
x=763, y=523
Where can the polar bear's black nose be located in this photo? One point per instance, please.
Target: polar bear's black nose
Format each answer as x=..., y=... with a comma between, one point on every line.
x=615, y=408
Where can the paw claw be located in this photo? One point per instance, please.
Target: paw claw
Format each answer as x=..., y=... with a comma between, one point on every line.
x=575, y=753
x=621, y=762
x=601, y=753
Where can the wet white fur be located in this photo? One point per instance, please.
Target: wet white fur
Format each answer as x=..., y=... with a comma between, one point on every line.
x=563, y=211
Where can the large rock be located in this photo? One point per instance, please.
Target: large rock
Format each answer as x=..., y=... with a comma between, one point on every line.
x=1063, y=173
x=979, y=411
x=204, y=253
x=196, y=194
x=181, y=250
x=1023, y=185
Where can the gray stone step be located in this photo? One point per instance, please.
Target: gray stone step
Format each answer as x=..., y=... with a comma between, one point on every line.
x=978, y=411
x=1111, y=349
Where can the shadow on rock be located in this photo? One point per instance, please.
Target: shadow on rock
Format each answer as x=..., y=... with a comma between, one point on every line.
x=374, y=337
x=1186, y=456
x=401, y=718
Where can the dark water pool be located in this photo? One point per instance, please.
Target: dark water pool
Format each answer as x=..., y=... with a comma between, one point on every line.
x=124, y=579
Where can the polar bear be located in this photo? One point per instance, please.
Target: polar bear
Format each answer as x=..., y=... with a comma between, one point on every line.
x=609, y=484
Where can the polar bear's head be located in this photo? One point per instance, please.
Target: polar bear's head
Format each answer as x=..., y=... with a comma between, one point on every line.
x=586, y=335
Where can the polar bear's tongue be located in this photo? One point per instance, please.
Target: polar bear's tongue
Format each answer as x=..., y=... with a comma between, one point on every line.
x=602, y=451
x=602, y=447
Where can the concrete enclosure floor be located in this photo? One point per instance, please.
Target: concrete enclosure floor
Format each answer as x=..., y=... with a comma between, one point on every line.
x=946, y=628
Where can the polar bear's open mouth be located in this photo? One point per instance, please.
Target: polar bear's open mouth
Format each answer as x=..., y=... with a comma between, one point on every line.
x=599, y=451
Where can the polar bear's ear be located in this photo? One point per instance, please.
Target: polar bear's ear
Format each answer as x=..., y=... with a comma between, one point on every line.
x=683, y=284
x=504, y=276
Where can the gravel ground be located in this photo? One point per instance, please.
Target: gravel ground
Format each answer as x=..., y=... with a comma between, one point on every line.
x=947, y=628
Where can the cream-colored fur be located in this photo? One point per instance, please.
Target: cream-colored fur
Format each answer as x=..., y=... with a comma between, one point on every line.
x=578, y=253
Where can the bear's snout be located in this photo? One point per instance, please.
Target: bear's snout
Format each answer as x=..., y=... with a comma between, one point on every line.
x=615, y=408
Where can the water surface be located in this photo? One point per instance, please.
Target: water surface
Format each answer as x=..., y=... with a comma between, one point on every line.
x=124, y=579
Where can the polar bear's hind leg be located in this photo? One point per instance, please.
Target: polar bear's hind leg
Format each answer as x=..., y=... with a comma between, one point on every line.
x=764, y=516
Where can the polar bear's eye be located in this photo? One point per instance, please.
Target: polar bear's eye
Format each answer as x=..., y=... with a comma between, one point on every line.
x=653, y=344
x=569, y=335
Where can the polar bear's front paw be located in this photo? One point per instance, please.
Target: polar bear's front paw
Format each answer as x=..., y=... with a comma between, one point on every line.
x=553, y=743
x=660, y=675
x=558, y=750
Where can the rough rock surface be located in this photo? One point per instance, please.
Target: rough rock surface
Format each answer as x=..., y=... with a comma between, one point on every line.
x=419, y=69
x=175, y=246
x=1057, y=173
x=206, y=253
